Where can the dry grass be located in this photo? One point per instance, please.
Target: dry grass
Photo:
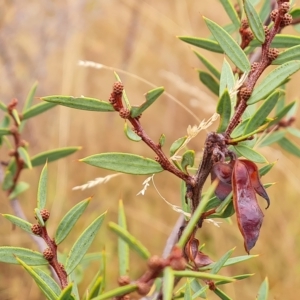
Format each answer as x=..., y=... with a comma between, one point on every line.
x=44, y=41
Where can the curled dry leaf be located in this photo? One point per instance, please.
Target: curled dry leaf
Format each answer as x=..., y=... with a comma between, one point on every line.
x=249, y=214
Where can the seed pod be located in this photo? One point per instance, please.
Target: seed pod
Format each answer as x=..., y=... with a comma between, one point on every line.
x=249, y=214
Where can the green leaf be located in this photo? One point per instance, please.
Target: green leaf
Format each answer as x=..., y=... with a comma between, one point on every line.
x=236, y=277
x=43, y=285
x=69, y=220
x=82, y=244
x=168, y=279
x=132, y=242
x=30, y=257
x=227, y=78
x=123, y=249
x=292, y=53
x=202, y=275
x=262, y=113
x=229, y=45
x=3, y=107
x=265, y=10
x=188, y=159
x=36, y=110
x=30, y=97
x=66, y=293
x=264, y=170
x=254, y=21
x=209, y=82
x=15, y=114
x=285, y=41
x=196, y=216
x=294, y=131
x=188, y=291
x=176, y=145
x=131, y=134
x=52, y=155
x=263, y=292
x=4, y=131
x=282, y=113
x=25, y=156
x=162, y=140
x=231, y=12
x=221, y=294
x=224, y=110
x=289, y=146
x=295, y=13
x=42, y=188
x=124, y=162
x=8, y=181
x=271, y=138
x=51, y=283
x=250, y=154
x=39, y=217
x=208, y=65
x=120, y=291
x=20, y=187
x=202, y=43
x=151, y=97
x=82, y=103
x=273, y=80
x=26, y=226
x=220, y=263
x=94, y=287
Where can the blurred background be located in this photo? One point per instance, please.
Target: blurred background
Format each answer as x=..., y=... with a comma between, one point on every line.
x=43, y=41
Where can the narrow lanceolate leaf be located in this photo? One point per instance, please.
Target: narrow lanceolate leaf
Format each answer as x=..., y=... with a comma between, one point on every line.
x=130, y=240
x=15, y=114
x=208, y=65
x=82, y=103
x=227, y=78
x=283, y=112
x=254, y=21
x=51, y=283
x=120, y=291
x=263, y=290
x=42, y=188
x=82, y=244
x=266, y=169
x=209, y=82
x=25, y=156
x=30, y=97
x=38, y=216
x=224, y=110
x=124, y=163
x=273, y=80
x=272, y=138
x=202, y=43
x=36, y=110
x=229, y=45
x=281, y=41
x=262, y=113
x=123, y=248
x=221, y=294
x=26, y=226
x=30, y=257
x=168, y=285
x=52, y=155
x=66, y=293
x=202, y=275
x=131, y=134
x=250, y=154
x=220, y=263
x=292, y=53
x=188, y=291
x=4, y=131
x=69, y=220
x=289, y=146
x=3, y=107
x=151, y=97
x=45, y=288
x=231, y=12
x=265, y=10
x=294, y=131
x=20, y=187
x=8, y=181
x=236, y=277
x=176, y=145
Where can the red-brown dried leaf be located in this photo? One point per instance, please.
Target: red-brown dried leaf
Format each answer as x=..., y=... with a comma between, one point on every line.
x=222, y=172
x=255, y=180
x=249, y=214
